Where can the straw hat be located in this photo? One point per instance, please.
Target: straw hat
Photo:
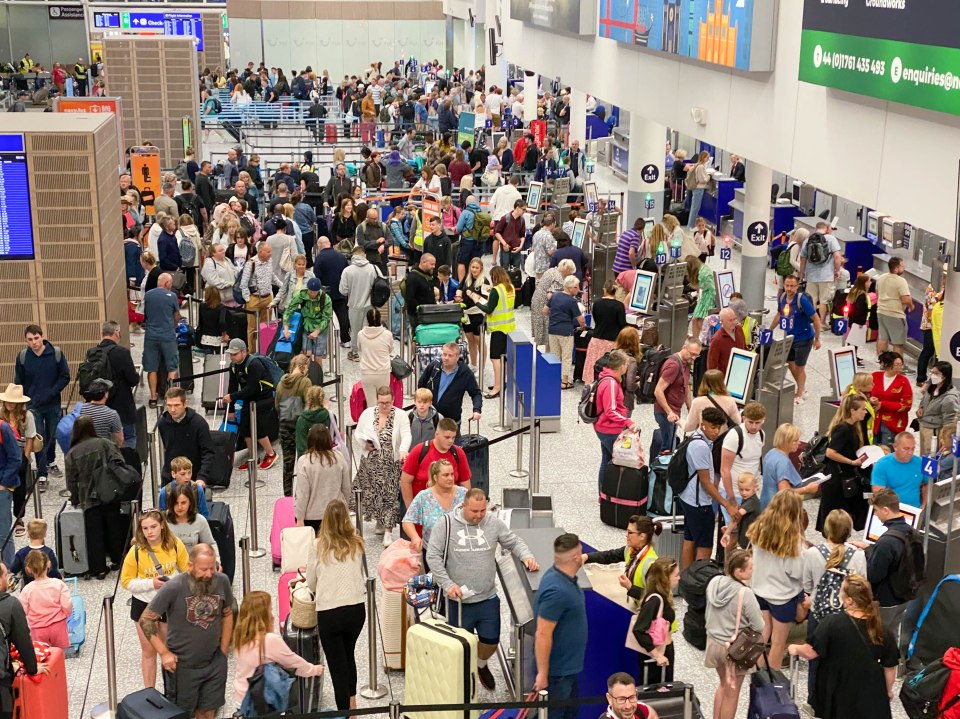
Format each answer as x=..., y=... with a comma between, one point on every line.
x=14, y=393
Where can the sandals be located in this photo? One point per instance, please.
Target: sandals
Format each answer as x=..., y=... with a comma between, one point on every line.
x=490, y=395
x=19, y=529
x=566, y=385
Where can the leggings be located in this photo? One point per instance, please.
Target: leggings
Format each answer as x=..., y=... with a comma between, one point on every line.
x=339, y=631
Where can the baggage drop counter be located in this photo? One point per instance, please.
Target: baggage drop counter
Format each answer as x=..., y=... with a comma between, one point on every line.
x=607, y=619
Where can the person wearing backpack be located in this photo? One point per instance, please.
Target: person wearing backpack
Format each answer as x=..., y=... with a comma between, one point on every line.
x=894, y=564
x=673, y=392
x=820, y=263
x=316, y=309
x=112, y=361
x=611, y=413
x=788, y=261
x=291, y=399
x=251, y=381
x=804, y=325
x=825, y=566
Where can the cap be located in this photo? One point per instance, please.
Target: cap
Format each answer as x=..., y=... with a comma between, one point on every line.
x=314, y=285
x=236, y=345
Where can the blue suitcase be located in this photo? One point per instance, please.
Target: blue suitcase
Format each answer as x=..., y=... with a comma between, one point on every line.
x=770, y=696
x=283, y=350
x=76, y=622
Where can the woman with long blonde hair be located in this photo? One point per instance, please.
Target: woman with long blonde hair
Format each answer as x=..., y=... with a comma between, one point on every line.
x=712, y=392
x=657, y=601
x=255, y=643
x=336, y=575
x=501, y=321
x=846, y=437
x=858, y=659
x=777, y=536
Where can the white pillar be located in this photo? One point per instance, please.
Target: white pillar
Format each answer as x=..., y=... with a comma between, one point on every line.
x=460, y=56
x=755, y=244
x=646, y=151
x=578, y=116
x=951, y=323
x=531, y=87
x=470, y=45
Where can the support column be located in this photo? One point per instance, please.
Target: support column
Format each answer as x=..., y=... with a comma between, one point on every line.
x=755, y=245
x=646, y=152
x=531, y=89
x=449, y=45
x=578, y=116
x=950, y=352
x=470, y=46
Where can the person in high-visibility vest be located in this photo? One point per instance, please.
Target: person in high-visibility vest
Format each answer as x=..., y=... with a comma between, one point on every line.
x=80, y=77
x=501, y=320
x=26, y=64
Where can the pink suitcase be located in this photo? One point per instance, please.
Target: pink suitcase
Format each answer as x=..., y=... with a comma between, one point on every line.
x=283, y=517
x=268, y=331
x=283, y=597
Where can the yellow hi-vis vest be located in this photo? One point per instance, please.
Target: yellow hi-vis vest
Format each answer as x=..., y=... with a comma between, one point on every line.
x=502, y=318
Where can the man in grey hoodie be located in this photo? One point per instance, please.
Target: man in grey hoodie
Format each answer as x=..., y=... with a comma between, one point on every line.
x=355, y=284
x=462, y=557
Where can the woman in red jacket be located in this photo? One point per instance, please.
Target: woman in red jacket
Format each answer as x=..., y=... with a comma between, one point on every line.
x=895, y=396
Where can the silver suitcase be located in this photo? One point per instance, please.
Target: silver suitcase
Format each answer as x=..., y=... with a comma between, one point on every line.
x=72, y=541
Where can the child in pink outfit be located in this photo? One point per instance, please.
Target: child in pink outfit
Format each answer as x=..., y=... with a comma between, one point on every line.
x=46, y=602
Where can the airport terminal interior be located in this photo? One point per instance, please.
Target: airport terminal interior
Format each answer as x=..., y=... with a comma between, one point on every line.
x=744, y=216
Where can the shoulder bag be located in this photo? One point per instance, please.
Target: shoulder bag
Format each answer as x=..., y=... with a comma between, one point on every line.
x=659, y=631
x=746, y=646
x=303, y=605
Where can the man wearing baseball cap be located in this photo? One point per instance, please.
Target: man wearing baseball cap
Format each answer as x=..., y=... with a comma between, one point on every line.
x=250, y=381
x=315, y=308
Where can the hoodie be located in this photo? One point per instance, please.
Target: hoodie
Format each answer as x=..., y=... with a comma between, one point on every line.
x=722, y=601
x=468, y=217
x=951, y=659
x=422, y=430
x=471, y=553
x=356, y=283
x=305, y=421
x=291, y=385
x=43, y=377
x=190, y=438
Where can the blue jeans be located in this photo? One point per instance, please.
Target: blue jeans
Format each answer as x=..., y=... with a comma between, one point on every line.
x=130, y=435
x=563, y=687
x=668, y=432
x=696, y=198
x=884, y=435
x=6, y=522
x=606, y=453
x=47, y=419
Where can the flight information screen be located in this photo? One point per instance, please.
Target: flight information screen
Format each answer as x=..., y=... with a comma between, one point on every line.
x=16, y=221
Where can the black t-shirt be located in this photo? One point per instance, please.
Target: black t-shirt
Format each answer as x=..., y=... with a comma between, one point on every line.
x=845, y=441
x=479, y=155
x=609, y=317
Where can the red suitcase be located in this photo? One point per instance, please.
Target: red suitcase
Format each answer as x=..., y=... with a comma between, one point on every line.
x=330, y=133
x=44, y=694
x=283, y=517
x=283, y=597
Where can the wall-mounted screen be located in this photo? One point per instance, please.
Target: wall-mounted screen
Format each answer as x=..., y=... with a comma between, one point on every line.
x=174, y=24
x=738, y=34
x=575, y=17
x=642, y=295
x=16, y=218
x=740, y=374
x=898, y=50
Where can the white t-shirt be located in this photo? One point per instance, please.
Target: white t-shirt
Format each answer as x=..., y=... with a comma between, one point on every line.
x=747, y=461
x=494, y=101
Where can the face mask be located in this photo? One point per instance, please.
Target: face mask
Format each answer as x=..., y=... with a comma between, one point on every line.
x=935, y=379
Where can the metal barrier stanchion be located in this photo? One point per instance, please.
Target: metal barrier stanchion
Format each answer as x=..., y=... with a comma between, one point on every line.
x=134, y=517
x=152, y=449
x=542, y=697
x=358, y=501
x=373, y=690
x=410, y=384
x=340, y=392
x=507, y=674
x=245, y=563
x=501, y=425
x=534, y=457
x=482, y=355
x=394, y=709
x=108, y=710
x=254, y=550
x=520, y=472
x=38, y=509
x=521, y=638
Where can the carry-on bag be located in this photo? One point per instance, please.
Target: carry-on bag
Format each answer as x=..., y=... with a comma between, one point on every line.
x=72, y=541
x=214, y=386
x=283, y=517
x=395, y=616
x=670, y=700
x=581, y=340
x=434, y=353
x=76, y=622
x=477, y=449
x=294, y=547
x=306, y=691
x=623, y=494
x=221, y=527
x=185, y=355
x=770, y=695
x=43, y=696
x=224, y=446
x=268, y=332
x=149, y=704
x=440, y=314
x=437, y=334
x=330, y=133
x=283, y=596
x=283, y=350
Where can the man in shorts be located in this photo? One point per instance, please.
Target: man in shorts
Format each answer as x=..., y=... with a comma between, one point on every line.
x=697, y=498
x=803, y=324
x=821, y=276
x=316, y=309
x=198, y=606
x=893, y=296
x=161, y=312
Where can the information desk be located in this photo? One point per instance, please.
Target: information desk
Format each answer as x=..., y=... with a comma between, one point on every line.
x=857, y=250
x=608, y=617
x=716, y=205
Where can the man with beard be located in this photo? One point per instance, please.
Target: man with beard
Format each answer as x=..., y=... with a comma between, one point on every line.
x=198, y=607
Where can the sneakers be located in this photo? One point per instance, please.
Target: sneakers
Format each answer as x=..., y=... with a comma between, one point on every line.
x=41, y=484
x=268, y=461
x=486, y=678
x=387, y=539
x=245, y=466
x=54, y=470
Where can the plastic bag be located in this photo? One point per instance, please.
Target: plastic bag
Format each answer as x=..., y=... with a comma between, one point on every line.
x=397, y=564
x=627, y=449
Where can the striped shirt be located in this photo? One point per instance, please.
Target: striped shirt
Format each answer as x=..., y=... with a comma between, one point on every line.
x=377, y=93
x=106, y=421
x=629, y=240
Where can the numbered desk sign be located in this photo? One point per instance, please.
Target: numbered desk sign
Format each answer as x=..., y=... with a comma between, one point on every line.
x=725, y=253
x=930, y=466
x=661, y=258
x=592, y=206
x=611, y=205
x=786, y=324
x=840, y=326
x=675, y=252
x=955, y=445
x=766, y=337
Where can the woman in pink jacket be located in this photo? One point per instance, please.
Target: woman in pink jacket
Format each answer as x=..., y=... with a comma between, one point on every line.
x=46, y=602
x=612, y=417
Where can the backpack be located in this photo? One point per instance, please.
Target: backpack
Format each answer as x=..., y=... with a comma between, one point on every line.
x=95, y=365
x=384, y=114
x=380, y=290
x=922, y=691
x=648, y=372
x=827, y=594
x=273, y=369
x=718, y=443
x=784, y=267
x=481, y=227
x=909, y=573
x=290, y=408
x=678, y=473
x=690, y=181
x=251, y=229
x=188, y=251
x=813, y=458
x=818, y=251
x=181, y=170
x=116, y=482
x=217, y=106
x=286, y=258
x=587, y=409
x=65, y=428
x=22, y=356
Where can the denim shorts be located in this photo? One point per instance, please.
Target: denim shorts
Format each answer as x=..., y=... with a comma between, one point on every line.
x=154, y=350
x=784, y=613
x=316, y=346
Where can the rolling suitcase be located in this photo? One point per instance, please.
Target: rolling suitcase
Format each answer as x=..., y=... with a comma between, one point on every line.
x=440, y=314
x=236, y=324
x=221, y=527
x=315, y=374
x=283, y=350
x=330, y=133
x=395, y=617
x=670, y=701
x=185, y=353
x=76, y=622
x=580, y=342
x=306, y=643
x=624, y=493
x=283, y=597
x=46, y=698
x=516, y=279
x=224, y=444
x=283, y=517
x=149, y=704
x=72, y=541
x=441, y=668
x=294, y=547
x=477, y=449
x=268, y=333
x=215, y=386
x=770, y=696
x=660, y=496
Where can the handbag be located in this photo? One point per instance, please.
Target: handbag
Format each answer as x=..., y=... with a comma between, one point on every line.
x=37, y=443
x=179, y=280
x=850, y=485
x=659, y=631
x=747, y=645
x=399, y=368
x=303, y=605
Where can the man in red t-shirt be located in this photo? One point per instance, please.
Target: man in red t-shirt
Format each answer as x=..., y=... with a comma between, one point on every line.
x=725, y=340
x=416, y=467
x=672, y=393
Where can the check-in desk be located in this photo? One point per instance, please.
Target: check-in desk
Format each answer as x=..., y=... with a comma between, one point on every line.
x=716, y=204
x=519, y=378
x=918, y=278
x=608, y=617
x=780, y=220
x=858, y=252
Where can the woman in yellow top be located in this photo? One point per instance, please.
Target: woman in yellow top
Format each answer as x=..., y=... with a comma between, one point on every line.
x=501, y=321
x=638, y=554
x=863, y=384
x=155, y=555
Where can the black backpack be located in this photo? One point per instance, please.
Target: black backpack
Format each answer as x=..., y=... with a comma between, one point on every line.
x=718, y=444
x=678, y=472
x=922, y=691
x=814, y=456
x=380, y=291
x=818, y=251
x=649, y=372
x=909, y=573
x=95, y=365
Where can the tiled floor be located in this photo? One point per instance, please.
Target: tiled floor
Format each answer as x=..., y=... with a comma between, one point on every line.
x=568, y=471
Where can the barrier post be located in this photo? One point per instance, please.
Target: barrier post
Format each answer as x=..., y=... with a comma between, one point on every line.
x=372, y=690
x=507, y=673
x=534, y=481
x=519, y=472
x=542, y=710
x=501, y=425
x=358, y=500
x=411, y=381
x=340, y=393
x=154, y=467
x=111, y=650
x=688, y=702
x=482, y=355
x=134, y=518
x=521, y=639
x=394, y=708
x=535, y=457
x=37, y=508
x=254, y=550
x=245, y=563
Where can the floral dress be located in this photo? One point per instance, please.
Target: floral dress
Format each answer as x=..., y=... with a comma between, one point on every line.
x=379, y=476
x=708, y=292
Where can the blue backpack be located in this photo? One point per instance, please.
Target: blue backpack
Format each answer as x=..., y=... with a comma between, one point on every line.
x=273, y=369
x=65, y=428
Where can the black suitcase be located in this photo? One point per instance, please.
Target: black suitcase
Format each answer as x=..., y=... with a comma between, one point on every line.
x=224, y=444
x=236, y=324
x=526, y=291
x=623, y=494
x=581, y=341
x=221, y=527
x=440, y=314
x=149, y=704
x=477, y=449
x=185, y=353
x=695, y=628
x=305, y=692
x=516, y=279
x=666, y=700
x=315, y=374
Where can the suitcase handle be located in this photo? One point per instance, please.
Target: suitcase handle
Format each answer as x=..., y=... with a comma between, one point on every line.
x=459, y=603
x=470, y=422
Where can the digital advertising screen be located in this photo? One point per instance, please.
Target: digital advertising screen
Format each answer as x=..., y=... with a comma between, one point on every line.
x=731, y=33
x=905, y=51
x=16, y=218
x=574, y=17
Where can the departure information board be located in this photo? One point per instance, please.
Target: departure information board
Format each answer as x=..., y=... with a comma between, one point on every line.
x=174, y=24
x=16, y=220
